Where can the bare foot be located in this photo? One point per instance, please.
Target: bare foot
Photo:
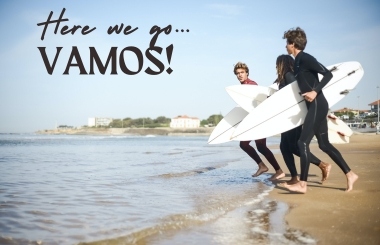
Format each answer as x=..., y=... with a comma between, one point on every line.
x=300, y=187
x=351, y=178
x=262, y=169
x=292, y=181
x=326, y=168
x=278, y=175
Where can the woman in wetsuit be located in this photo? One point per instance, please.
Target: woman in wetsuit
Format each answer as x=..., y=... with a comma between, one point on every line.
x=241, y=71
x=289, y=139
x=306, y=71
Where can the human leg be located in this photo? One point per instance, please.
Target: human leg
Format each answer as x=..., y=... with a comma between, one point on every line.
x=263, y=149
x=245, y=146
x=335, y=155
x=325, y=167
x=304, y=150
x=287, y=151
x=293, y=139
x=287, y=154
x=328, y=148
x=316, y=122
x=289, y=147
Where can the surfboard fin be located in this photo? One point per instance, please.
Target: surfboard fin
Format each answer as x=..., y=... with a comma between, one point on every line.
x=346, y=91
x=334, y=68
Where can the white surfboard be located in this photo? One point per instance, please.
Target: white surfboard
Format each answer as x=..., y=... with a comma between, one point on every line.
x=249, y=96
x=223, y=131
x=339, y=132
x=286, y=109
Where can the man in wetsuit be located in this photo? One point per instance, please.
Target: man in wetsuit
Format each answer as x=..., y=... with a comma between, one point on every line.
x=241, y=71
x=306, y=71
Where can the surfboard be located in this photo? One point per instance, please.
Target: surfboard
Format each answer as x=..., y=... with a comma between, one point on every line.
x=286, y=109
x=223, y=131
x=338, y=131
x=249, y=96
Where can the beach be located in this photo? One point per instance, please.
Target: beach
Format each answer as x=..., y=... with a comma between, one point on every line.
x=329, y=214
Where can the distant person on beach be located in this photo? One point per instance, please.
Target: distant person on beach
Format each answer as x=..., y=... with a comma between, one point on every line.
x=306, y=70
x=289, y=139
x=241, y=71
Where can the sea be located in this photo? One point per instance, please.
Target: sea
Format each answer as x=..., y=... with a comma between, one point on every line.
x=153, y=190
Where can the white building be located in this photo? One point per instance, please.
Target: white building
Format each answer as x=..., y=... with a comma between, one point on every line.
x=99, y=121
x=185, y=122
x=91, y=122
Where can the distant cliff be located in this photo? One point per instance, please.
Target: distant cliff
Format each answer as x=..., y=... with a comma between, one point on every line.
x=129, y=131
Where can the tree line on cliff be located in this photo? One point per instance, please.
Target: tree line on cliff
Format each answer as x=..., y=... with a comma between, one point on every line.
x=161, y=121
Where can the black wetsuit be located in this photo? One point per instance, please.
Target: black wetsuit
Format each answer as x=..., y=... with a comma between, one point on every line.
x=306, y=69
x=289, y=139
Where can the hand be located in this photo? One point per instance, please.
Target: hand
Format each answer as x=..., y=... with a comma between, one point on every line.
x=310, y=96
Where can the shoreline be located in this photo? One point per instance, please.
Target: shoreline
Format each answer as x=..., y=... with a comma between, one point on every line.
x=129, y=131
x=326, y=212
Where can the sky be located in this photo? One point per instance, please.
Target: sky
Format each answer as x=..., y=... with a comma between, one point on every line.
x=220, y=34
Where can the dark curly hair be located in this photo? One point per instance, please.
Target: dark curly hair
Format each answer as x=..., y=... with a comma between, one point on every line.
x=297, y=37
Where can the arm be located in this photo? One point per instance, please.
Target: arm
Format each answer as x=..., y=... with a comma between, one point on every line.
x=313, y=65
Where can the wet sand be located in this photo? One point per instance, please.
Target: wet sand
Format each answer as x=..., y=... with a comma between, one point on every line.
x=326, y=212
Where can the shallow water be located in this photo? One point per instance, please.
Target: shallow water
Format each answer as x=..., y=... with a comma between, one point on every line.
x=134, y=190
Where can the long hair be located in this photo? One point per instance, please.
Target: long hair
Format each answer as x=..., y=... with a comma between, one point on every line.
x=284, y=64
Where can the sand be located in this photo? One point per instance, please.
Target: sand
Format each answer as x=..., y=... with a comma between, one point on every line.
x=326, y=212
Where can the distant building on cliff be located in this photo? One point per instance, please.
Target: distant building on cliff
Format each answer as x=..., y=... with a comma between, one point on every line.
x=185, y=122
x=346, y=110
x=374, y=106
x=99, y=121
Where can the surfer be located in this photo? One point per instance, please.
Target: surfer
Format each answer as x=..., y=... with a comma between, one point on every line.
x=288, y=145
x=241, y=71
x=306, y=70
